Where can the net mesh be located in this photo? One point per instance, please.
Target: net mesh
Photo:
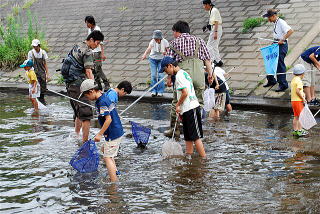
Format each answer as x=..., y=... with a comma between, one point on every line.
x=306, y=118
x=86, y=159
x=140, y=133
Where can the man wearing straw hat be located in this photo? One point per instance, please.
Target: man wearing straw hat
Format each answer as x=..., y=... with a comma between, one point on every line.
x=281, y=32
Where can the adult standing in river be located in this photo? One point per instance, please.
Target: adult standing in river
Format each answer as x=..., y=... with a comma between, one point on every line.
x=191, y=53
x=215, y=27
x=98, y=55
x=82, y=54
x=281, y=32
x=39, y=58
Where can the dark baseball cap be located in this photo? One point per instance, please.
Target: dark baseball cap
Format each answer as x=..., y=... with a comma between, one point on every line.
x=270, y=12
x=207, y=2
x=164, y=62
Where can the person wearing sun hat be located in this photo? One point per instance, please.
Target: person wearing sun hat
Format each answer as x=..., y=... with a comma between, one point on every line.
x=157, y=48
x=34, y=87
x=297, y=99
x=281, y=32
x=39, y=58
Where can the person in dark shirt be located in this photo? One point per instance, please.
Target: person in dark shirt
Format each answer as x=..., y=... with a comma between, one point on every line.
x=310, y=59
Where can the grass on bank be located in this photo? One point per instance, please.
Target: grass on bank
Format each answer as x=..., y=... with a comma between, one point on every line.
x=15, y=41
x=250, y=23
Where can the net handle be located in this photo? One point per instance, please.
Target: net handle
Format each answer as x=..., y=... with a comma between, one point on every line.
x=175, y=126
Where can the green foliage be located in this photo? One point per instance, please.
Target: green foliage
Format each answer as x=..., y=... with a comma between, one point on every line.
x=28, y=4
x=123, y=8
x=16, y=10
x=4, y=5
x=60, y=79
x=14, y=43
x=250, y=23
x=288, y=67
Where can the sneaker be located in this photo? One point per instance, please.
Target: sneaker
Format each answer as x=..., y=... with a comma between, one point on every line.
x=297, y=133
x=153, y=94
x=160, y=95
x=304, y=132
x=118, y=172
x=314, y=102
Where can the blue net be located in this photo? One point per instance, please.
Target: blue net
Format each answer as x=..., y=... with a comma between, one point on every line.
x=140, y=133
x=86, y=159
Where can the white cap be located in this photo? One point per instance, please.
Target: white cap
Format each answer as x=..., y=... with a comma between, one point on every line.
x=35, y=42
x=299, y=69
x=86, y=85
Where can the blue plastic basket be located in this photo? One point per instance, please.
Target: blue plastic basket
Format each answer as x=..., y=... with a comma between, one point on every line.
x=140, y=133
x=86, y=159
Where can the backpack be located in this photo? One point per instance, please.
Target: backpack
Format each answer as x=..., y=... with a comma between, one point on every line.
x=71, y=69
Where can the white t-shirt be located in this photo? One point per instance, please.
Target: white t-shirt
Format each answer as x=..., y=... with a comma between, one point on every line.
x=98, y=49
x=37, y=55
x=215, y=16
x=157, y=49
x=220, y=73
x=183, y=80
x=280, y=28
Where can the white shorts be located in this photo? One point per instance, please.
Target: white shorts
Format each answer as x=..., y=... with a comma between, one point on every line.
x=37, y=93
x=111, y=148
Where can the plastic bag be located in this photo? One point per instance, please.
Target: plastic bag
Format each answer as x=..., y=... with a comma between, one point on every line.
x=86, y=159
x=209, y=99
x=306, y=118
x=171, y=148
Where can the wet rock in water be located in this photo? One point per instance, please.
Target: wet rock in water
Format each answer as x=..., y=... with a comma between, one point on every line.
x=53, y=175
x=129, y=135
x=155, y=137
x=38, y=199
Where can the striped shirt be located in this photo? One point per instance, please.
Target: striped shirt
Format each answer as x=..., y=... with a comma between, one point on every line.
x=186, y=44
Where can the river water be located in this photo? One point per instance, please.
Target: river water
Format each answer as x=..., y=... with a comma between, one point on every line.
x=254, y=165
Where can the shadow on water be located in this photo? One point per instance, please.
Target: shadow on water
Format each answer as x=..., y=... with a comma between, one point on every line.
x=254, y=165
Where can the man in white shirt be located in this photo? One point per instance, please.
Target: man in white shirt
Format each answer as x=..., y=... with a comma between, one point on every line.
x=281, y=32
x=98, y=55
x=215, y=27
x=39, y=58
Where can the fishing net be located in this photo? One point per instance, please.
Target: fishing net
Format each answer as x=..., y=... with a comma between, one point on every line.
x=140, y=133
x=40, y=105
x=171, y=148
x=209, y=99
x=306, y=118
x=86, y=159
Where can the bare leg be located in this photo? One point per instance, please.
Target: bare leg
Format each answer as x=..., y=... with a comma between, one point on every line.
x=111, y=169
x=85, y=130
x=312, y=93
x=307, y=93
x=77, y=125
x=228, y=108
x=295, y=123
x=34, y=104
x=189, y=147
x=200, y=148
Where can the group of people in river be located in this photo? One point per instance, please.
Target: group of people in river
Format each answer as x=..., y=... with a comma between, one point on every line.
x=191, y=66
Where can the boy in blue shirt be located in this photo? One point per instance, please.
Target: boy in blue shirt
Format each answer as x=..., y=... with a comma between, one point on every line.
x=108, y=118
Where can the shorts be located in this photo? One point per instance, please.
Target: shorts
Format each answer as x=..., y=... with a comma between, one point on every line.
x=309, y=78
x=228, y=97
x=81, y=111
x=297, y=107
x=35, y=95
x=220, y=100
x=192, y=126
x=111, y=148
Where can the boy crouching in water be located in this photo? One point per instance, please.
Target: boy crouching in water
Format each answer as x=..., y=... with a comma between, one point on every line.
x=297, y=99
x=187, y=106
x=108, y=118
x=34, y=87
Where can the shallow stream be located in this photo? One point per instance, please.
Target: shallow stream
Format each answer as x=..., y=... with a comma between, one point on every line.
x=254, y=165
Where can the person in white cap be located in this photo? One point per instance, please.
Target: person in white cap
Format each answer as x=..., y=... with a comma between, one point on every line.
x=39, y=58
x=157, y=49
x=297, y=99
